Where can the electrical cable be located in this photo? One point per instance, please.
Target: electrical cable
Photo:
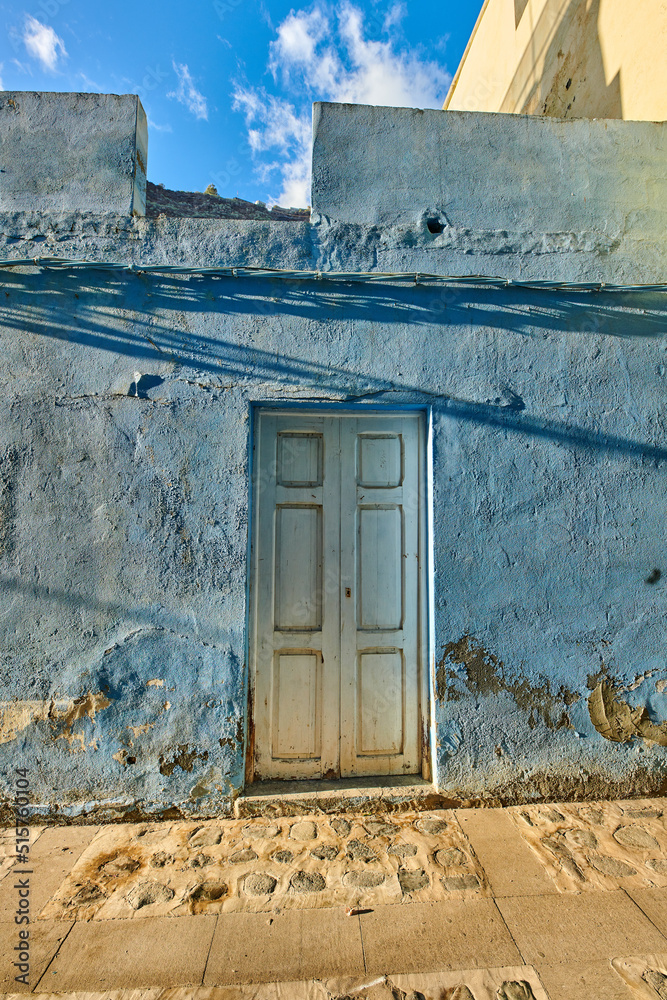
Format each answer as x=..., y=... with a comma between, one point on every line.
x=401, y=277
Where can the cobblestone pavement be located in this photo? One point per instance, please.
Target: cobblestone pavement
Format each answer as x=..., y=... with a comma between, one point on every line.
x=539, y=902
x=255, y=865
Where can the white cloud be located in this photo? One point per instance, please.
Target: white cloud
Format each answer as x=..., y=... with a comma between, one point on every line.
x=298, y=38
x=187, y=94
x=25, y=67
x=90, y=85
x=159, y=128
x=42, y=43
x=281, y=128
x=326, y=54
x=394, y=16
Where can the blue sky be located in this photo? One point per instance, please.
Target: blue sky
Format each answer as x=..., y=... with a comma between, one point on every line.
x=228, y=84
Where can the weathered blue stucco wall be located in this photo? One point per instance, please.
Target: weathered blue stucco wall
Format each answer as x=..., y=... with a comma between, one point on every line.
x=125, y=420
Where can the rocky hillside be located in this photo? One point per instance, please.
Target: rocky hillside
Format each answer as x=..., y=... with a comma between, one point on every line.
x=192, y=204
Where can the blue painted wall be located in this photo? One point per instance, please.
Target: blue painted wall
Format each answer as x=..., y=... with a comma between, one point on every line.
x=125, y=426
x=124, y=488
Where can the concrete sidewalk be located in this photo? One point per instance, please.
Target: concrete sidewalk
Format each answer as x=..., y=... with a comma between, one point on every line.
x=569, y=903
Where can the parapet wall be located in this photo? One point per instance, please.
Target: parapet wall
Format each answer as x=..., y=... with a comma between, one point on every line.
x=72, y=152
x=494, y=173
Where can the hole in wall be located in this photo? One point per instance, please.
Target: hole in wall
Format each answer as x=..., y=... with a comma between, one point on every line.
x=434, y=225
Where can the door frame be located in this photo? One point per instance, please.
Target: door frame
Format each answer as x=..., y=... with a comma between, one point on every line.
x=426, y=635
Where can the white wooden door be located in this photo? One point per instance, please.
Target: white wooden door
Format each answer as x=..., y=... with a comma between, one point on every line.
x=337, y=594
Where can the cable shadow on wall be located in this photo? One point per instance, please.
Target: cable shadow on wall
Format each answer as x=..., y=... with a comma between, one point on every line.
x=170, y=319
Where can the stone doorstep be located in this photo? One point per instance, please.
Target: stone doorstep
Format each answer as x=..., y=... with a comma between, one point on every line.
x=369, y=795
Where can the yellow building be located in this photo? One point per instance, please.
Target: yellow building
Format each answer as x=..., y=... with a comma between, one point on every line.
x=566, y=58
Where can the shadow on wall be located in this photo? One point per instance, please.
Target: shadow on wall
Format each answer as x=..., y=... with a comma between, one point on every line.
x=519, y=8
x=158, y=318
x=14, y=588
x=561, y=73
x=151, y=317
x=91, y=306
x=195, y=324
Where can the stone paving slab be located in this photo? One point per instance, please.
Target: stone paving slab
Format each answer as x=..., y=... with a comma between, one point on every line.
x=296, y=944
x=592, y=980
x=510, y=866
x=385, y=795
x=601, y=845
x=146, y=994
x=8, y=847
x=141, y=870
x=569, y=928
x=653, y=902
x=52, y=857
x=514, y=983
x=426, y=937
x=124, y=954
x=45, y=939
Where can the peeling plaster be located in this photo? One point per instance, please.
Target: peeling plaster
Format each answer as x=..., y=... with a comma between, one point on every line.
x=619, y=722
x=84, y=707
x=16, y=716
x=183, y=758
x=639, y=680
x=485, y=674
x=138, y=730
x=87, y=705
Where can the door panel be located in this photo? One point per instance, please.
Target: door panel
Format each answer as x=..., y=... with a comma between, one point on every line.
x=298, y=564
x=380, y=702
x=337, y=573
x=297, y=704
x=382, y=559
x=379, y=460
x=299, y=460
x=380, y=569
x=296, y=614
